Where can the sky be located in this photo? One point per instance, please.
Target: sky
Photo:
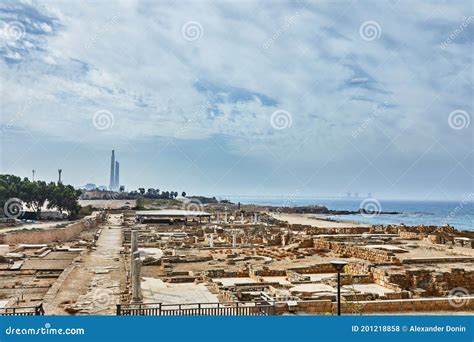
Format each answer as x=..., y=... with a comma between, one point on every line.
x=297, y=98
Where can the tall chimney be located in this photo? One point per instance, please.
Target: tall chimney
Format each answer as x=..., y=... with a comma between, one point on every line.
x=117, y=175
x=59, y=174
x=112, y=171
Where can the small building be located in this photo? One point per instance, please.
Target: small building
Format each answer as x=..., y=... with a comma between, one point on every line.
x=171, y=216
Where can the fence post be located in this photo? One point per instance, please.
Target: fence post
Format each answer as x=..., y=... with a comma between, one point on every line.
x=39, y=311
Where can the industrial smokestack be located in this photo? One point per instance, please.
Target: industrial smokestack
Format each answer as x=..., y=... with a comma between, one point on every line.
x=112, y=171
x=59, y=176
x=117, y=175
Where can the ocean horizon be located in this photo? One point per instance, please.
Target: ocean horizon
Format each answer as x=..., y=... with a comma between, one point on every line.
x=459, y=214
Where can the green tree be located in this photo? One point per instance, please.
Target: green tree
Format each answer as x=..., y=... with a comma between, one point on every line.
x=36, y=194
x=64, y=197
x=10, y=186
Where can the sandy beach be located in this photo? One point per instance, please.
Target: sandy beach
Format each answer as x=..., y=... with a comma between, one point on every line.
x=314, y=220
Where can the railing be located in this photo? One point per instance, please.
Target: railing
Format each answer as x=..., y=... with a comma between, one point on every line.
x=23, y=311
x=198, y=309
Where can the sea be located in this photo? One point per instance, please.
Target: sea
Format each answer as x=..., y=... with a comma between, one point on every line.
x=459, y=214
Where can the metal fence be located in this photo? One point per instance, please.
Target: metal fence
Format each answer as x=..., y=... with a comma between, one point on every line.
x=23, y=311
x=198, y=309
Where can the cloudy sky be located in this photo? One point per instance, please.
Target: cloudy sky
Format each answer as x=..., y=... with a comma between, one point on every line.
x=314, y=98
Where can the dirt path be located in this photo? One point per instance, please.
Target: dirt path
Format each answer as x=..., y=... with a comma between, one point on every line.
x=93, y=285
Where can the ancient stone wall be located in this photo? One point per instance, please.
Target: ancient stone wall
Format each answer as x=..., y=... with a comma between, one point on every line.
x=181, y=279
x=310, y=230
x=184, y=260
x=49, y=235
x=348, y=251
x=358, y=268
x=266, y=272
x=431, y=282
x=398, y=305
x=363, y=253
x=410, y=235
x=395, y=281
x=221, y=273
x=349, y=279
x=316, y=268
x=311, y=306
x=321, y=244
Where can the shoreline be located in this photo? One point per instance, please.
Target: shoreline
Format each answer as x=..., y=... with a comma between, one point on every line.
x=316, y=220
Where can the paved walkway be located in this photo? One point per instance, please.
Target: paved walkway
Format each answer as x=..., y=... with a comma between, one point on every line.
x=92, y=287
x=156, y=291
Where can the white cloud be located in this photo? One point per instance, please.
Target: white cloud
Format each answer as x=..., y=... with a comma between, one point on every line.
x=132, y=60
